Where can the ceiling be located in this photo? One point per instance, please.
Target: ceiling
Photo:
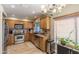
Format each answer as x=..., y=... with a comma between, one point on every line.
x=22, y=10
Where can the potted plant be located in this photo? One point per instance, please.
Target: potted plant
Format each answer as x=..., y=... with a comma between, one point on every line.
x=63, y=41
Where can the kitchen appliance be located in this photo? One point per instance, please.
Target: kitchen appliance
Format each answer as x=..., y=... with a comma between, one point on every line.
x=18, y=33
x=4, y=34
x=19, y=39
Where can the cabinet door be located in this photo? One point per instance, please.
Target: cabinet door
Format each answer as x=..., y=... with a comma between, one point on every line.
x=31, y=37
x=28, y=24
x=10, y=23
x=65, y=28
x=42, y=23
x=26, y=36
x=45, y=23
x=43, y=44
x=10, y=40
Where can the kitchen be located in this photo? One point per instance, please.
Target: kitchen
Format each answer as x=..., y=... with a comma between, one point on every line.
x=21, y=31
x=40, y=31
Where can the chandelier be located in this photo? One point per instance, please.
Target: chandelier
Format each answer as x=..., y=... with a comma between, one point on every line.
x=52, y=9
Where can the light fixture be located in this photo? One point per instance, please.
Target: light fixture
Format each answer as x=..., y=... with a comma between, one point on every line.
x=45, y=11
x=25, y=5
x=12, y=6
x=33, y=12
x=52, y=8
x=59, y=8
x=42, y=7
x=13, y=15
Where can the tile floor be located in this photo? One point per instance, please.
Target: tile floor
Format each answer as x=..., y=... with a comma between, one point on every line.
x=23, y=48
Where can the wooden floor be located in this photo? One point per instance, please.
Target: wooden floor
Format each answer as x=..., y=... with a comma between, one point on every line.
x=23, y=48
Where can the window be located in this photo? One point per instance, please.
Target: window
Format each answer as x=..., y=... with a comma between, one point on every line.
x=65, y=28
x=37, y=26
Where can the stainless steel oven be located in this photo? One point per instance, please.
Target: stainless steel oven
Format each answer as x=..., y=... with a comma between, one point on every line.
x=19, y=39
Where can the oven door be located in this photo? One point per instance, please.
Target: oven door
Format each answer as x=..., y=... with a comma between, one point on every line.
x=19, y=38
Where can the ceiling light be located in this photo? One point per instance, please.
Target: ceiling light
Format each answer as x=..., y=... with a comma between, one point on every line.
x=33, y=12
x=42, y=7
x=12, y=6
x=59, y=8
x=24, y=5
x=13, y=15
x=45, y=10
x=54, y=10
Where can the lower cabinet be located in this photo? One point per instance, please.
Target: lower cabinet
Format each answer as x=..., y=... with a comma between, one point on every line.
x=10, y=40
x=26, y=36
x=31, y=37
x=39, y=42
x=43, y=44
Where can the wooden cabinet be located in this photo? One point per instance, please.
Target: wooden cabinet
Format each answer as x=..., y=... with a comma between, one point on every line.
x=45, y=23
x=10, y=23
x=27, y=35
x=42, y=44
x=39, y=41
x=28, y=24
x=18, y=22
x=10, y=40
x=31, y=37
x=34, y=39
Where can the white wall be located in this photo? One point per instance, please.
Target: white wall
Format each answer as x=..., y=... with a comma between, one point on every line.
x=70, y=8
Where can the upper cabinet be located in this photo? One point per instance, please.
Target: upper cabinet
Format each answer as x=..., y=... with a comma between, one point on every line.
x=11, y=23
x=28, y=24
x=45, y=23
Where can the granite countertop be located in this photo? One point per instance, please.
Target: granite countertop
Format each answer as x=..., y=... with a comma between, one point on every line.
x=41, y=35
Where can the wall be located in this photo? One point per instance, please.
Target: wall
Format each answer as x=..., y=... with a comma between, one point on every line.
x=70, y=8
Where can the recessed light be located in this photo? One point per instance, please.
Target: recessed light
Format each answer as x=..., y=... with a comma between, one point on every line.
x=59, y=8
x=13, y=15
x=33, y=12
x=42, y=7
x=45, y=10
x=54, y=10
x=12, y=6
x=24, y=5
